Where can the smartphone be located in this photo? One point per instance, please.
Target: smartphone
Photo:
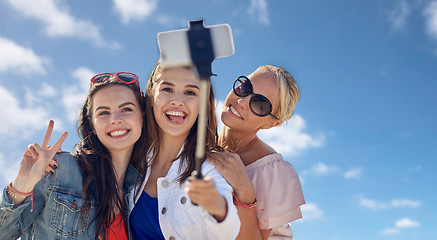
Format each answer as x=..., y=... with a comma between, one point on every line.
x=175, y=50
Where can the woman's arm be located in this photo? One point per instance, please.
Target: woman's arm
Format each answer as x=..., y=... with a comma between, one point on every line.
x=234, y=171
x=218, y=225
x=17, y=207
x=35, y=161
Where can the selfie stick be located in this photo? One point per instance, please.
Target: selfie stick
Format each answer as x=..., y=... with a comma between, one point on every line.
x=202, y=55
x=198, y=46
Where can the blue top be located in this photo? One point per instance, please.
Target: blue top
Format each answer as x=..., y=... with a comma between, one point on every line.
x=146, y=218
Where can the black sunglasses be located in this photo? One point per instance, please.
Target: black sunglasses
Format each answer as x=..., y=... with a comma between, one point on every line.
x=259, y=104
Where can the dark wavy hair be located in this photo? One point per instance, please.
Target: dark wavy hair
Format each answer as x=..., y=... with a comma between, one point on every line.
x=98, y=174
x=187, y=155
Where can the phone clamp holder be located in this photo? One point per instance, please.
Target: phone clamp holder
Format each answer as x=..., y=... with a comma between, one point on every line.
x=201, y=49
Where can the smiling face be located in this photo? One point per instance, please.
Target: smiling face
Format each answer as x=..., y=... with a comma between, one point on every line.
x=236, y=110
x=116, y=118
x=176, y=101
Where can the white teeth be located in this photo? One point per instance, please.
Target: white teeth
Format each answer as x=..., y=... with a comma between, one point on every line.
x=234, y=111
x=118, y=133
x=179, y=114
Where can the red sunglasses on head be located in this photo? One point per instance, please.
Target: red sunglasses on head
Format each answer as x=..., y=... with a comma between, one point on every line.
x=124, y=77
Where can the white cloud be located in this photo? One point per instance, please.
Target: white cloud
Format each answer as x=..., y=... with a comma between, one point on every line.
x=218, y=113
x=258, y=10
x=398, y=16
x=8, y=169
x=310, y=211
x=287, y=139
x=395, y=203
x=16, y=58
x=404, y=203
x=371, y=204
x=290, y=139
x=431, y=19
x=170, y=21
x=353, y=173
x=134, y=9
x=415, y=168
x=47, y=90
x=390, y=231
x=19, y=121
x=321, y=169
x=74, y=95
x=406, y=223
x=37, y=96
x=399, y=224
x=58, y=21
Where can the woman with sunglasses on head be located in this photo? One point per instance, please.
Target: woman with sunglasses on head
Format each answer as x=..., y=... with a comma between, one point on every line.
x=267, y=190
x=162, y=206
x=85, y=197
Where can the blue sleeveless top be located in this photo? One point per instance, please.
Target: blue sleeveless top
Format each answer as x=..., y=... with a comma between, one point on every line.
x=144, y=219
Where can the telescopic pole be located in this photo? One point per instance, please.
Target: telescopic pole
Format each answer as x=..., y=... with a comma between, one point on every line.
x=202, y=55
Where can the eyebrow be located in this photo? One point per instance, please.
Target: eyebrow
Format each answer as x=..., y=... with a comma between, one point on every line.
x=189, y=85
x=120, y=106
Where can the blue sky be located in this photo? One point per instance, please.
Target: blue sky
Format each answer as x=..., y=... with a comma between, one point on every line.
x=363, y=135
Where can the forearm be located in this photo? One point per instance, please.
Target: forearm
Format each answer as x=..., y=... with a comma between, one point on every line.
x=221, y=211
x=249, y=224
x=226, y=229
x=229, y=227
x=246, y=206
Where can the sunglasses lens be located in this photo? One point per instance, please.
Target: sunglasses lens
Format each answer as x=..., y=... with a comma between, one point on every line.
x=244, y=87
x=101, y=78
x=127, y=77
x=260, y=105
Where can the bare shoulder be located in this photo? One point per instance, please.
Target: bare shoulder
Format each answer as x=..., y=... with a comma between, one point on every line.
x=257, y=150
x=263, y=148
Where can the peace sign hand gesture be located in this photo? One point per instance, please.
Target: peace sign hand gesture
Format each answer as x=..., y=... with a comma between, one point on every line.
x=35, y=160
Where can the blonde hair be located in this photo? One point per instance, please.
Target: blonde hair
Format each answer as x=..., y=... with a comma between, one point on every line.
x=288, y=91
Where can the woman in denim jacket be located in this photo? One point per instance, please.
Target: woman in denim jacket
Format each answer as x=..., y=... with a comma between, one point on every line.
x=84, y=198
x=161, y=207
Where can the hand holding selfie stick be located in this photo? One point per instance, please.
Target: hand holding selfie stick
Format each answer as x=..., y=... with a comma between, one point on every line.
x=198, y=46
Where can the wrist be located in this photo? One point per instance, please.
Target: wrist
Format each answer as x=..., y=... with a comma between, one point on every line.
x=22, y=185
x=246, y=195
x=240, y=204
x=17, y=196
x=221, y=212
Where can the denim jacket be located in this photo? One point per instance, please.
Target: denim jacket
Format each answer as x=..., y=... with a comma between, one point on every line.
x=56, y=206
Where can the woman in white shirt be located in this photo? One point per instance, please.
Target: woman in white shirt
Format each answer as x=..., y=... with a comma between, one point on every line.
x=161, y=207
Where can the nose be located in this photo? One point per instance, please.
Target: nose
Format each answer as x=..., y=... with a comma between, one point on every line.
x=243, y=102
x=177, y=99
x=116, y=118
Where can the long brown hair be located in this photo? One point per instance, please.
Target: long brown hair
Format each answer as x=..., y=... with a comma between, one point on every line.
x=98, y=174
x=187, y=155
